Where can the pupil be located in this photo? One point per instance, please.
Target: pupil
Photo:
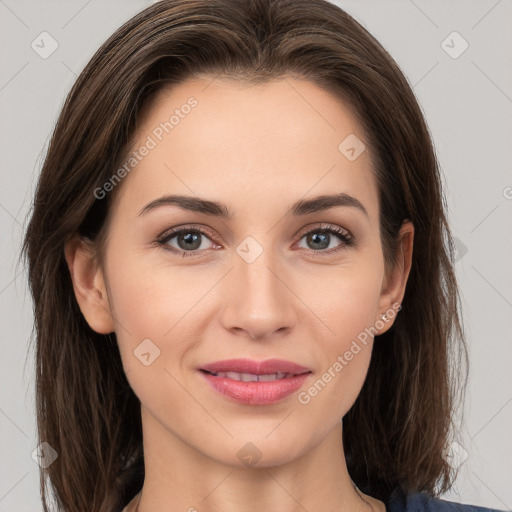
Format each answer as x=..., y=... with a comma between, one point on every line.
x=190, y=239
x=322, y=238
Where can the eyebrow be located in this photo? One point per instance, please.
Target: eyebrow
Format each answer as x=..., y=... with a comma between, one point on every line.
x=217, y=209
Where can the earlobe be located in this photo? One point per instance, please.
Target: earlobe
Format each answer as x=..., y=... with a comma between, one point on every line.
x=393, y=290
x=89, y=284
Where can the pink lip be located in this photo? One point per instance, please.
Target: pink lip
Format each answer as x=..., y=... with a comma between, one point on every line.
x=255, y=367
x=256, y=393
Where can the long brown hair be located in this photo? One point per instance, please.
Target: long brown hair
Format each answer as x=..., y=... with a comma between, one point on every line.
x=398, y=431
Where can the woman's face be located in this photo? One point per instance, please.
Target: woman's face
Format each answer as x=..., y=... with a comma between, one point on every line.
x=263, y=283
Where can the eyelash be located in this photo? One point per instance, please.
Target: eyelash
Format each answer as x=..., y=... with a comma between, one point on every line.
x=344, y=236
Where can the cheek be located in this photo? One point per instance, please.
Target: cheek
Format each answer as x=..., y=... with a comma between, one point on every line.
x=136, y=301
x=344, y=299
x=147, y=298
x=157, y=302
x=153, y=307
x=346, y=305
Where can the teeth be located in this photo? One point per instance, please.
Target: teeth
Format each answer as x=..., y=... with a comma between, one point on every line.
x=250, y=377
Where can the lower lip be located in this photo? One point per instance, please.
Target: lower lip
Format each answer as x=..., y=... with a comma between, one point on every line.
x=256, y=393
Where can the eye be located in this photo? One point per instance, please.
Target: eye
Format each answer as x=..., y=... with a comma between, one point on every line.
x=189, y=240
x=320, y=239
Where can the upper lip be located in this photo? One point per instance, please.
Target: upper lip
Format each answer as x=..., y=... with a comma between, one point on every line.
x=267, y=367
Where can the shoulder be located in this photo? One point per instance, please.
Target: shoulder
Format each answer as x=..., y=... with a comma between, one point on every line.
x=423, y=502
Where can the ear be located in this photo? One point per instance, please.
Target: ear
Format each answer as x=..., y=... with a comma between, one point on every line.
x=89, y=284
x=393, y=287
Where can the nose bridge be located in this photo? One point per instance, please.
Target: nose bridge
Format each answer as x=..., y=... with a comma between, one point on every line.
x=259, y=302
x=256, y=271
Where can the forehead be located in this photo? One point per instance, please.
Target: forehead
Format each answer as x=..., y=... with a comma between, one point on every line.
x=283, y=138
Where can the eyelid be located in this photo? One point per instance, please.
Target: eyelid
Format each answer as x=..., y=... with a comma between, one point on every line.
x=323, y=226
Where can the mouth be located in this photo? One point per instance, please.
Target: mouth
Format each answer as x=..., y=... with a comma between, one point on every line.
x=252, y=377
x=249, y=370
x=251, y=382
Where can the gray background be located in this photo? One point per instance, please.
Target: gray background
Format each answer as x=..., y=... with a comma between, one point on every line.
x=467, y=101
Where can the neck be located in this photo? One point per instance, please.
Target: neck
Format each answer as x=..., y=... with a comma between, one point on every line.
x=178, y=476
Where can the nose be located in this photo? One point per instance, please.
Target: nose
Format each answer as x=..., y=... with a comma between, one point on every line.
x=259, y=301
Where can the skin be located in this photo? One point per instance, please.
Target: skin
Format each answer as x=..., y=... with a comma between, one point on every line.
x=257, y=149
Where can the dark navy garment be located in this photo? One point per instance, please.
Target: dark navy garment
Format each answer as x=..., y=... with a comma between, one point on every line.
x=422, y=502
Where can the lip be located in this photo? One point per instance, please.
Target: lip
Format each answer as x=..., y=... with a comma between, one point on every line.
x=254, y=392
x=255, y=367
